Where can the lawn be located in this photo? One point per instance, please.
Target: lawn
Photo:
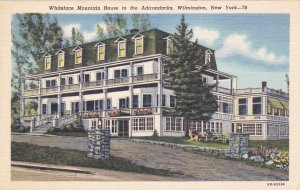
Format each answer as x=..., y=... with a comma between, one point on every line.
x=184, y=140
x=73, y=134
x=50, y=155
x=282, y=145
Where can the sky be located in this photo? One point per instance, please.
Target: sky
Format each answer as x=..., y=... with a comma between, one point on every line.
x=253, y=47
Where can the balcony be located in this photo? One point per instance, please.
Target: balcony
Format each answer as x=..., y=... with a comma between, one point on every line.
x=49, y=90
x=31, y=92
x=69, y=87
x=222, y=90
x=145, y=78
x=277, y=93
x=249, y=91
x=93, y=84
x=123, y=80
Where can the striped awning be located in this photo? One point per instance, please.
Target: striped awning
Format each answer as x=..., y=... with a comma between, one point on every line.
x=285, y=104
x=275, y=103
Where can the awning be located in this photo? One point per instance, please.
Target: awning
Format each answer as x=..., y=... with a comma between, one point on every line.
x=285, y=104
x=275, y=103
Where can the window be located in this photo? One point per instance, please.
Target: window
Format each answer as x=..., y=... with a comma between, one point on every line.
x=62, y=82
x=75, y=107
x=70, y=80
x=86, y=77
x=123, y=103
x=135, y=101
x=204, y=80
x=173, y=124
x=121, y=73
x=90, y=105
x=256, y=105
x=101, y=52
x=172, y=101
x=178, y=124
x=135, y=124
x=212, y=127
x=147, y=100
x=225, y=107
x=61, y=60
x=139, y=45
x=249, y=128
x=48, y=84
x=142, y=124
x=122, y=49
x=44, y=108
x=258, y=130
x=108, y=104
x=163, y=103
x=79, y=78
x=140, y=70
x=78, y=56
x=207, y=57
x=149, y=124
x=242, y=106
x=169, y=46
x=166, y=70
x=53, y=83
x=100, y=76
x=48, y=62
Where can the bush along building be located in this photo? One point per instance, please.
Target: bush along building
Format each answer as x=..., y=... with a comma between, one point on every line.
x=122, y=81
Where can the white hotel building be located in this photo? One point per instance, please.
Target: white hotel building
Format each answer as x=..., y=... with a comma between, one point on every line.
x=121, y=81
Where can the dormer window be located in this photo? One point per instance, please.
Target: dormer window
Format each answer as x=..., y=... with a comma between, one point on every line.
x=100, y=51
x=47, y=62
x=139, y=44
x=61, y=60
x=207, y=56
x=170, y=47
x=121, y=47
x=78, y=55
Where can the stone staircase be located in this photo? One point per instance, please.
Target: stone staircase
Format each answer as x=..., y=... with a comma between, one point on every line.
x=43, y=125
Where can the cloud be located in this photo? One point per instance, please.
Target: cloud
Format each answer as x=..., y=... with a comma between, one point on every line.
x=68, y=29
x=88, y=36
x=237, y=44
x=205, y=35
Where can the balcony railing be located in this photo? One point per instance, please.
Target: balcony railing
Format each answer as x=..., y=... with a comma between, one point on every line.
x=249, y=90
x=222, y=90
x=49, y=90
x=144, y=78
x=278, y=93
x=92, y=84
x=117, y=81
x=31, y=92
x=69, y=87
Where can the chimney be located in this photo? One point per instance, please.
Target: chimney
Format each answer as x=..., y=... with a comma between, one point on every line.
x=134, y=30
x=264, y=86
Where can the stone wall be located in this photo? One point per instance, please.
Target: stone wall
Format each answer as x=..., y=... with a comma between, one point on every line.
x=238, y=144
x=98, y=144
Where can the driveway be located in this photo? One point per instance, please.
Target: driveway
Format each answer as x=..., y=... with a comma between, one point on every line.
x=191, y=166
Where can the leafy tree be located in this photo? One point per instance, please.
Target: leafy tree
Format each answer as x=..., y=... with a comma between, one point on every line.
x=77, y=37
x=100, y=32
x=36, y=34
x=116, y=25
x=194, y=100
x=141, y=21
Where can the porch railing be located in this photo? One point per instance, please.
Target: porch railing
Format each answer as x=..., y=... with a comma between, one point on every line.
x=117, y=81
x=92, y=84
x=31, y=92
x=49, y=90
x=144, y=78
x=69, y=87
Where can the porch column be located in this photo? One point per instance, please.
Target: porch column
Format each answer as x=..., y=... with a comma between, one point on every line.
x=58, y=82
x=39, y=108
x=22, y=101
x=105, y=76
x=217, y=81
x=160, y=92
x=104, y=103
x=59, y=105
x=80, y=103
x=233, y=84
x=81, y=80
x=130, y=72
x=130, y=108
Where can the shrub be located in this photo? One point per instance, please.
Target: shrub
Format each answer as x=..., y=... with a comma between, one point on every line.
x=155, y=133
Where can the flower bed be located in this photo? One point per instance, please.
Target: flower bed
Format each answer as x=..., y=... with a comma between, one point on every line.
x=269, y=157
x=89, y=115
x=142, y=111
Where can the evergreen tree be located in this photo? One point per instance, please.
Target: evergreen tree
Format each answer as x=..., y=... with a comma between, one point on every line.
x=116, y=25
x=77, y=37
x=141, y=21
x=287, y=80
x=100, y=32
x=194, y=100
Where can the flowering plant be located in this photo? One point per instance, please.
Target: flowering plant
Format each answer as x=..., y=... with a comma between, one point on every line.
x=113, y=113
x=142, y=111
x=89, y=115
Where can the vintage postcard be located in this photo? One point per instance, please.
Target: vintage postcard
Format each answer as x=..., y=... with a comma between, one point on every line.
x=149, y=95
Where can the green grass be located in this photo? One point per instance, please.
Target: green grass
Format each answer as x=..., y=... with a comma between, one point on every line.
x=50, y=155
x=282, y=145
x=73, y=134
x=184, y=140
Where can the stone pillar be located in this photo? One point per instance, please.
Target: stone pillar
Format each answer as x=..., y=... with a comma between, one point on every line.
x=238, y=144
x=98, y=144
x=58, y=106
x=104, y=103
x=32, y=124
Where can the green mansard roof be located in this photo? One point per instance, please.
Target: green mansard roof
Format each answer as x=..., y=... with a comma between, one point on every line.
x=154, y=43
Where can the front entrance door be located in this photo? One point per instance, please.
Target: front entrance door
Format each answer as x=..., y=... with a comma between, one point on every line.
x=123, y=128
x=63, y=109
x=54, y=107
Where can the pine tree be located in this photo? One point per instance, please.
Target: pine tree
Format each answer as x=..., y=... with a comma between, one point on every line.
x=77, y=37
x=100, y=32
x=194, y=100
x=116, y=25
x=141, y=21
